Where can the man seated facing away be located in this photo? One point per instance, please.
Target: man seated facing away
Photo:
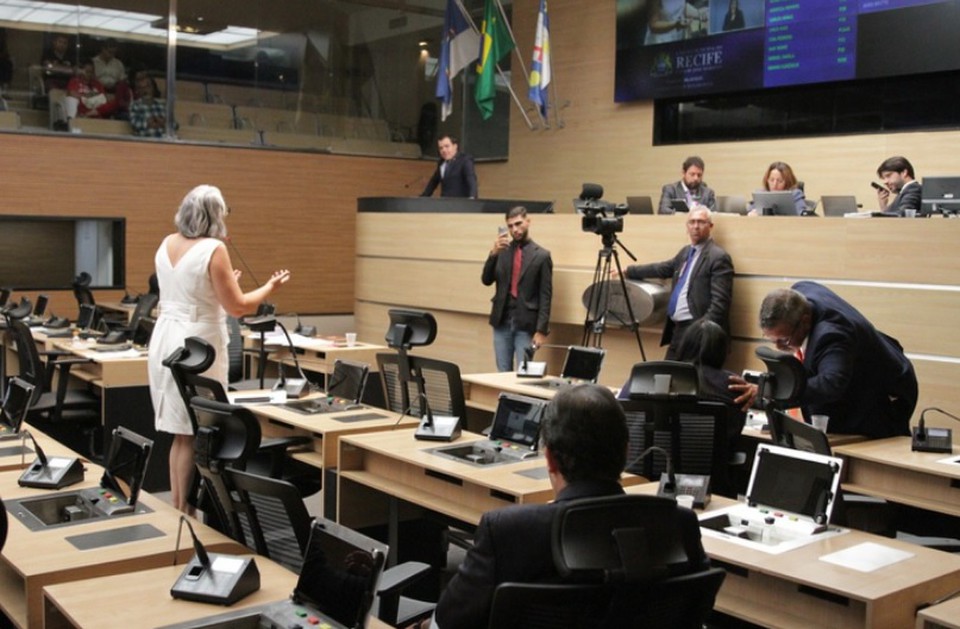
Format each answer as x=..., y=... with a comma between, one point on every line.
x=583, y=435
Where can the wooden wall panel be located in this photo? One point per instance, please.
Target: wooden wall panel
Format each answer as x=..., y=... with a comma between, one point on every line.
x=289, y=209
x=912, y=302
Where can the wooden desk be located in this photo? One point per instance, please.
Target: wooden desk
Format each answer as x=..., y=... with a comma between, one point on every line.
x=147, y=594
x=34, y=559
x=17, y=454
x=796, y=590
x=313, y=354
x=887, y=468
x=326, y=429
x=946, y=615
x=125, y=400
x=481, y=390
x=378, y=466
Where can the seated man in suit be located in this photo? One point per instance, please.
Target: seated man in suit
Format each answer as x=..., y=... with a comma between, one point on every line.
x=898, y=177
x=856, y=375
x=690, y=189
x=584, y=439
x=454, y=174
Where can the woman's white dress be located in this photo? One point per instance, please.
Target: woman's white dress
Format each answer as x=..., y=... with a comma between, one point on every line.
x=188, y=307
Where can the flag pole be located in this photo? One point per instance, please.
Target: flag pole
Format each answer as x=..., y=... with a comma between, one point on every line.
x=526, y=76
x=513, y=94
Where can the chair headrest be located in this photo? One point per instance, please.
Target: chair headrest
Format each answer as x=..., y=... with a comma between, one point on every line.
x=664, y=378
x=786, y=379
x=195, y=356
x=83, y=279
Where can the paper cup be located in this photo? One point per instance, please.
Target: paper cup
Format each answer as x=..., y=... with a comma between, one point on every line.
x=820, y=422
x=351, y=339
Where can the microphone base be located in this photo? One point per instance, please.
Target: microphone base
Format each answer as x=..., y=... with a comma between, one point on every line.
x=696, y=485
x=58, y=473
x=932, y=440
x=225, y=581
x=443, y=428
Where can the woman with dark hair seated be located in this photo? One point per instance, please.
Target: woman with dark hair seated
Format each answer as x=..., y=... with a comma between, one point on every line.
x=706, y=345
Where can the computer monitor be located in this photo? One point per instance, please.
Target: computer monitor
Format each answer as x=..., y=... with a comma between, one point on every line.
x=940, y=194
x=781, y=203
x=16, y=405
x=41, y=306
x=340, y=572
x=583, y=363
x=640, y=205
x=517, y=420
x=126, y=464
x=87, y=317
x=838, y=205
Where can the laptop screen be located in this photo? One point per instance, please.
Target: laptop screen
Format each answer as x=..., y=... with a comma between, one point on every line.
x=583, y=363
x=518, y=420
x=340, y=572
x=126, y=464
x=790, y=480
x=16, y=405
x=41, y=306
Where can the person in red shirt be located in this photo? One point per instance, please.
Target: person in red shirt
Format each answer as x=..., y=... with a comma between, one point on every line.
x=92, y=99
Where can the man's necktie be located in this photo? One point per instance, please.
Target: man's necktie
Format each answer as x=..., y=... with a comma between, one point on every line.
x=675, y=295
x=515, y=276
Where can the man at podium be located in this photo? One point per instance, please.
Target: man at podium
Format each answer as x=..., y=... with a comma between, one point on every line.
x=454, y=174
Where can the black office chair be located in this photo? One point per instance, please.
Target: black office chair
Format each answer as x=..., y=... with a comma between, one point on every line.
x=624, y=561
x=187, y=364
x=62, y=410
x=664, y=410
x=143, y=310
x=81, y=290
x=276, y=524
x=442, y=383
x=3, y=525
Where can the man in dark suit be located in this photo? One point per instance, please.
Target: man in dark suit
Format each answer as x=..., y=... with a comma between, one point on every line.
x=584, y=440
x=523, y=272
x=702, y=275
x=690, y=189
x=454, y=174
x=898, y=177
x=856, y=375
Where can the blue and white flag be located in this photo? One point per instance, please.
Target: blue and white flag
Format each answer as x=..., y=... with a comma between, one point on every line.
x=460, y=47
x=540, y=68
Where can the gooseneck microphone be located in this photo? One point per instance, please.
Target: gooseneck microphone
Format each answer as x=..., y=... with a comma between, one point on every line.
x=294, y=388
x=667, y=486
x=198, y=548
x=932, y=439
x=246, y=267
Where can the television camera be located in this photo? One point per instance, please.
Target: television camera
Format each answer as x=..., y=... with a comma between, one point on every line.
x=599, y=216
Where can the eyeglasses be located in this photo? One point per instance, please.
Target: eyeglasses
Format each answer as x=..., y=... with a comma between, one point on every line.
x=783, y=342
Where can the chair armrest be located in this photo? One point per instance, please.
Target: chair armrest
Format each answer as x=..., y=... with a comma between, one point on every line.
x=395, y=579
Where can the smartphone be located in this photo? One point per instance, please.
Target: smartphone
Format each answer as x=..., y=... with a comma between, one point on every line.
x=877, y=186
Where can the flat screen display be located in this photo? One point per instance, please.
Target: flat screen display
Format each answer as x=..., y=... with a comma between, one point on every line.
x=518, y=420
x=582, y=363
x=677, y=48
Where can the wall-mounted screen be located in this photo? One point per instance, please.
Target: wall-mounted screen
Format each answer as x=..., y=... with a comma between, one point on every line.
x=677, y=48
x=47, y=253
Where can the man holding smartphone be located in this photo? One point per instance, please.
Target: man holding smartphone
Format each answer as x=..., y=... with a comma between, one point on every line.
x=898, y=177
x=523, y=273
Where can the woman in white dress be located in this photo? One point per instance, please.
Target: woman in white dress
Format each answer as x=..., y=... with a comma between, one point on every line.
x=198, y=288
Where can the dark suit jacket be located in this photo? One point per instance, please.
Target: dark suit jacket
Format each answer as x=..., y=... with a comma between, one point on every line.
x=855, y=374
x=514, y=544
x=909, y=198
x=710, y=283
x=534, y=291
x=673, y=191
x=459, y=178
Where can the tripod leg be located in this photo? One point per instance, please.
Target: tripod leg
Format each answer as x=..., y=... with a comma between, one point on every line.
x=634, y=324
x=598, y=294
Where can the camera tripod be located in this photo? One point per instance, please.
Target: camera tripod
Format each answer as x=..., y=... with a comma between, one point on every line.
x=598, y=300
